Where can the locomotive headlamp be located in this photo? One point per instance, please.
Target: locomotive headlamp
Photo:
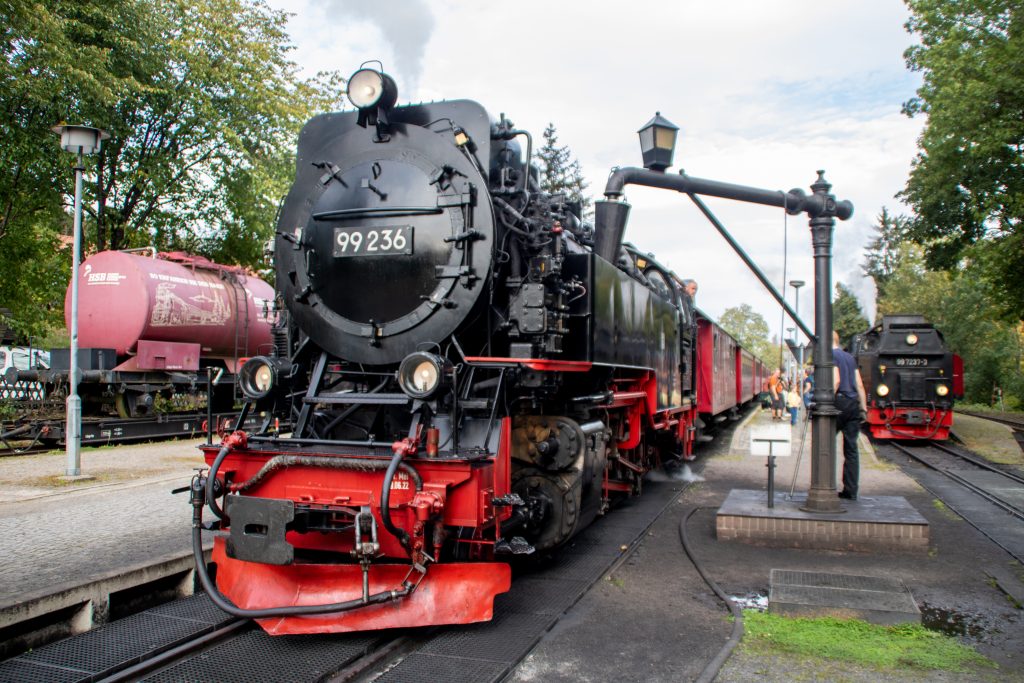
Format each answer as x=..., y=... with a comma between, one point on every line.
x=658, y=142
x=421, y=374
x=881, y=369
x=368, y=88
x=911, y=339
x=883, y=390
x=942, y=390
x=260, y=375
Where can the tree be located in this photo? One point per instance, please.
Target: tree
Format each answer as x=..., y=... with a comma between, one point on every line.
x=967, y=182
x=847, y=317
x=203, y=107
x=560, y=172
x=961, y=306
x=750, y=328
x=882, y=253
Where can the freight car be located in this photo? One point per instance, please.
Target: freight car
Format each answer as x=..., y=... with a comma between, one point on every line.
x=473, y=374
x=152, y=325
x=910, y=377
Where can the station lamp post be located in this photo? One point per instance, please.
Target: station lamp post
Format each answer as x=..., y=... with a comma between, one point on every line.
x=80, y=140
x=658, y=142
x=796, y=285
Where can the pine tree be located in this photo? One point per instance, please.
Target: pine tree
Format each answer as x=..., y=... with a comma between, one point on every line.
x=560, y=172
x=882, y=255
x=847, y=317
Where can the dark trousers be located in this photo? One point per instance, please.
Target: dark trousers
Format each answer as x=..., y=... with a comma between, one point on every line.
x=848, y=423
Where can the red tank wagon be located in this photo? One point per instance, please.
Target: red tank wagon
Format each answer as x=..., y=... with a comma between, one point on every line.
x=153, y=324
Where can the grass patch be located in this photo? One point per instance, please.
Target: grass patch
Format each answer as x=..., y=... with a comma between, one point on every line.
x=878, y=647
x=946, y=512
x=991, y=440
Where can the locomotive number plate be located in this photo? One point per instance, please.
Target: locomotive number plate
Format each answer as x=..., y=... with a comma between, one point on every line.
x=911, y=362
x=385, y=241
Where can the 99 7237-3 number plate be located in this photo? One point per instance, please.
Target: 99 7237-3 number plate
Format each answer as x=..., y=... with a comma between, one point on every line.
x=386, y=241
x=911, y=362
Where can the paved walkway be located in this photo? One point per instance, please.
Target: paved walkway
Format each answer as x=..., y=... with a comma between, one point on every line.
x=54, y=533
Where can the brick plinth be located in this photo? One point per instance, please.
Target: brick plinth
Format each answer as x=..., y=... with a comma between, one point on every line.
x=868, y=524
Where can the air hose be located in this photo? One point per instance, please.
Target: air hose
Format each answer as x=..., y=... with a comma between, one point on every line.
x=297, y=610
x=205, y=494
x=715, y=665
x=385, y=500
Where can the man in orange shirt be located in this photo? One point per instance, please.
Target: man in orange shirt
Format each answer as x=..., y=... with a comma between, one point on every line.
x=773, y=389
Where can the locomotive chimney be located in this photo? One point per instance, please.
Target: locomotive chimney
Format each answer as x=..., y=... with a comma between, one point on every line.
x=609, y=226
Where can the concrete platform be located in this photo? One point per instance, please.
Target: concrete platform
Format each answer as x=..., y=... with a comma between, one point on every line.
x=877, y=599
x=872, y=523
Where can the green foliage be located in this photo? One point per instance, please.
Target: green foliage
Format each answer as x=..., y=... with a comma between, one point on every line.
x=847, y=317
x=963, y=307
x=560, y=172
x=750, y=328
x=880, y=647
x=882, y=253
x=203, y=107
x=967, y=182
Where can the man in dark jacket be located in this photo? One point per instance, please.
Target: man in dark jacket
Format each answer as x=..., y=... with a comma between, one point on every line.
x=852, y=404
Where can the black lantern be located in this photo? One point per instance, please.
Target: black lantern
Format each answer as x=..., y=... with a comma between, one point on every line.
x=658, y=142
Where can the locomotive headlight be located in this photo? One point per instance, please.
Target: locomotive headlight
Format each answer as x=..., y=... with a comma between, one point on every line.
x=421, y=374
x=911, y=339
x=883, y=390
x=942, y=390
x=370, y=88
x=259, y=376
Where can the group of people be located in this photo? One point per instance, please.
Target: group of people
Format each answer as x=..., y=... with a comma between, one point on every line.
x=789, y=395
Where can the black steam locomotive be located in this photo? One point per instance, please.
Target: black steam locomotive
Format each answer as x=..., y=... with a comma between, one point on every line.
x=471, y=373
x=910, y=377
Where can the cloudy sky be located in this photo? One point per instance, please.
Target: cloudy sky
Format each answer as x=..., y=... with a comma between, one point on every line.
x=765, y=93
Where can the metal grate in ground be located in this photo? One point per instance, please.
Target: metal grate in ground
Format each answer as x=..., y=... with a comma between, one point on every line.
x=424, y=668
x=120, y=641
x=255, y=656
x=540, y=596
x=195, y=608
x=18, y=670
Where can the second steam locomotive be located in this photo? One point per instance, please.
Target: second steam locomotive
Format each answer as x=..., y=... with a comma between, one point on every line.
x=910, y=377
x=471, y=371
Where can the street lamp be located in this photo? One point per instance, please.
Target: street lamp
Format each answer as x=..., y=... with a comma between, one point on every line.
x=796, y=285
x=80, y=140
x=658, y=142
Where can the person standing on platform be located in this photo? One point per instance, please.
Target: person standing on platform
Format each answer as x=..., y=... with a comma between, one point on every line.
x=808, y=388
x=793, y=402
x=852, y=404
x=773, y=392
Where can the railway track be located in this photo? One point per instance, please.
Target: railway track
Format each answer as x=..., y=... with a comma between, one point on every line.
x=1017, y=423
x=345, y=659
x=989, y=498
